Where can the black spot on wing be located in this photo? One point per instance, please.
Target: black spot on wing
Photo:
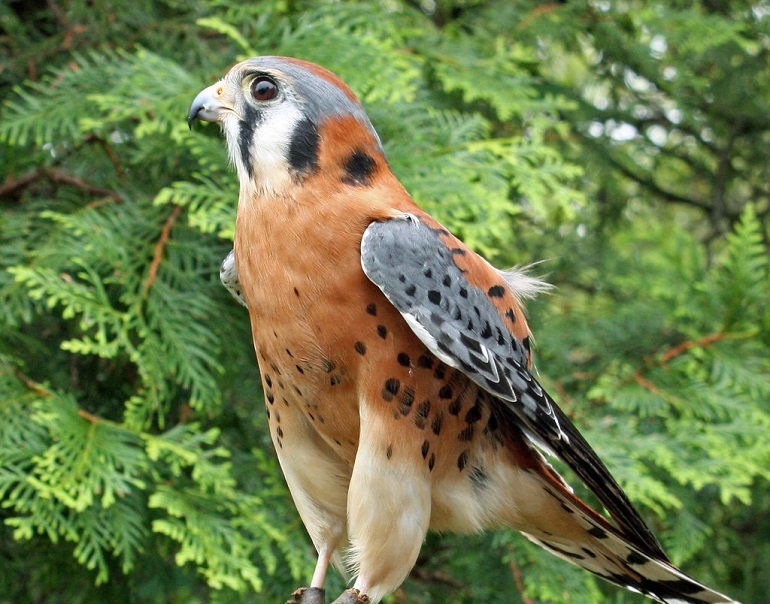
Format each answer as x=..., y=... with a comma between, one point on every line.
x=359, y=168
x=303, y=147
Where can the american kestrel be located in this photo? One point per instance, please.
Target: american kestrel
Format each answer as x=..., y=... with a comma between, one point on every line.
x=395, y=361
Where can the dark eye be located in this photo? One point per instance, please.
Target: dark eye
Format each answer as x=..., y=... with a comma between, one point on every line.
x=264, y=88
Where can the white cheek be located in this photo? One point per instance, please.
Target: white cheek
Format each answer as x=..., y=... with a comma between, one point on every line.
x=269, y=149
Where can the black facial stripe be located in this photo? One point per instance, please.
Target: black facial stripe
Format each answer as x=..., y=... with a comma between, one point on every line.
x=303, y=148
x=252, y=117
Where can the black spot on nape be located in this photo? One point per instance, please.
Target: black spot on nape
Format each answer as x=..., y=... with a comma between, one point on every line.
x=403, y=359
x=447, y=281
x=458, y=251
x=371, y=308
x=462, y=460
x=360, y=348
x=303, y=147
x=382, y=331
x=390, y=389
x=527, y=343
x=463, y=292
x=511, y=315
x=359, y=168
x=251, y=119
x=410, y=290
x=496, y=291
x=428, y=273
x=434, y=296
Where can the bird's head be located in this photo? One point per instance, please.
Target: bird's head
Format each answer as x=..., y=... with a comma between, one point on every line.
x=285, y=120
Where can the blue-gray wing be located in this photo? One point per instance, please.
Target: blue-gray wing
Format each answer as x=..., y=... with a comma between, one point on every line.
x=409, y=260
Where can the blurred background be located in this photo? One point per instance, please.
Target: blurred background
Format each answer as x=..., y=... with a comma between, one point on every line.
x=621, y=145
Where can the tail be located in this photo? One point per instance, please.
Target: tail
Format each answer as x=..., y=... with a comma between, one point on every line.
x=605, y=552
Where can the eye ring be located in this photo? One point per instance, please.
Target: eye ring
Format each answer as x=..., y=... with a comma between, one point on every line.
x=264, y=89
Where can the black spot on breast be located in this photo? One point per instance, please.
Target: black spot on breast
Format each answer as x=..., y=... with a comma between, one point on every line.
x=434, y=296
x=406, y=399
x=279, y=432
x=371, y=308
x=440, y=371
x=435, y=425
x=445, y=392
x=298, y=391
x=447, y=281
x=268, y=412
x=251, y=119
x=462, y=460
x=360, y=348
x=463, y=292
x=425, y=362
x=359, y=168
x=403, y=359
x=389, y=452
x=455, y=406
x=425, y=447
x=474, y=414
x=300, y=369
x=382, y=331
x=328, y=366
x=466, y=434
x=296, y=292
x=289, y=353
x=421, y=414
x=410, y=290
x=268, y=381
x=270, y=397
x=431, y=462
x=511, y=315
x=334, y=380
x=303, y=147
x=390, y=389
x=496, y=291
x=428, y=273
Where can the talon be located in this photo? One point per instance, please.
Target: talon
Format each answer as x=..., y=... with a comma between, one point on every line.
x=352, y=596
x=308, y=595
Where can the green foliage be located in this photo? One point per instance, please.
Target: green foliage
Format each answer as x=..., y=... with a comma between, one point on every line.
x=622, y=143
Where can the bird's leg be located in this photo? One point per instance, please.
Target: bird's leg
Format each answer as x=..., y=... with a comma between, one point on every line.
x=388, y=511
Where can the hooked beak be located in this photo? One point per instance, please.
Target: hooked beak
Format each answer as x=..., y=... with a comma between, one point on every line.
x=208, y=105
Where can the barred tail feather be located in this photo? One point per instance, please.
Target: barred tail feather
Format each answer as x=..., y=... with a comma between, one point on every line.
x=608, y=554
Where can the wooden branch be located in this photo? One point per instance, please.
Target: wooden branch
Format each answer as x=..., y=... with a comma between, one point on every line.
x=703, y=342
x=32, y=384
x=160, y=246
x=519, y=581
x=12, y=185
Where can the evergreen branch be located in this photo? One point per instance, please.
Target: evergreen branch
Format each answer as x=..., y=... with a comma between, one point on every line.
x=160, y=246
x=11, y=185
x=31, y=384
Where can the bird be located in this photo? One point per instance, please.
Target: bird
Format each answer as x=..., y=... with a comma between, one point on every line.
x=396, y=362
